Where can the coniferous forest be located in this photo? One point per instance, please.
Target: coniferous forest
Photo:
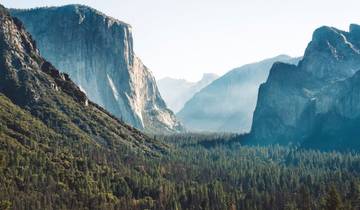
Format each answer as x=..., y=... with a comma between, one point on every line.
x=196, y=171
x=107, y=140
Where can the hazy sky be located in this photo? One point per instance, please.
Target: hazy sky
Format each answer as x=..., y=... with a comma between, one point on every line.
x=185, y=38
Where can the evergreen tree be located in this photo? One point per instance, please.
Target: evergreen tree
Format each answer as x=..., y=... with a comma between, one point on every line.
x=5, y=205
x=305, y=199
x=333, y=199
x=354, y=196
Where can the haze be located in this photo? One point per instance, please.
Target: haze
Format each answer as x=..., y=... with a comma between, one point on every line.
x=184, y=38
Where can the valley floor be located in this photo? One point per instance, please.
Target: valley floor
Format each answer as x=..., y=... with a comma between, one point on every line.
x=197, y=172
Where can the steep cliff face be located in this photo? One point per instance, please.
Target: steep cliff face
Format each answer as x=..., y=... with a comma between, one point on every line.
x=228, y=103
x=40, y=93
x=337, y=116
x=97, y=52
x=176, y=92
x=312, y=101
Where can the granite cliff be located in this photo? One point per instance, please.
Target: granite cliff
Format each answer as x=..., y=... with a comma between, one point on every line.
x=97, y=52
x=51, y=108
x=317, y=101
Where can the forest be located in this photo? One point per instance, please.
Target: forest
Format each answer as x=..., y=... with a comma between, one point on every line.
x=60, y=150
x=196, y=171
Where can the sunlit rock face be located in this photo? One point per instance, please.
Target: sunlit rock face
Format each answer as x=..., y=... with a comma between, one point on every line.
x=97, y=52
x=228, y=103
x=42, y=105
x=316, y=102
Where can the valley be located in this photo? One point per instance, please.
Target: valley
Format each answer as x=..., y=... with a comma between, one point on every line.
x=83, y=124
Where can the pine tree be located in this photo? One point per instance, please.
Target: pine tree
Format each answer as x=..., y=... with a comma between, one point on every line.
x=354, y=195
x=5, y=205
x=333, y=199
x=305, y=199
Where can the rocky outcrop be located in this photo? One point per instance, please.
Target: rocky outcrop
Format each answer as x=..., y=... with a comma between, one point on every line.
x=228, y=103
x=315, y=102
x=97, y=52
x=176, y=92
x=20, y=55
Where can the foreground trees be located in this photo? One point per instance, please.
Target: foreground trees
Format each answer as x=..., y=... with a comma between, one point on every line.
x=198, y=172
x=333, y=200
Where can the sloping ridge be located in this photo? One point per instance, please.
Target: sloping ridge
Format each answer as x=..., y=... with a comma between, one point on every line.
x=228, y=103
x=97, y=52
x=185, y=90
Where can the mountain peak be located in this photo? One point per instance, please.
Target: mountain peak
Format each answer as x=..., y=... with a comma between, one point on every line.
x=184, y=89
x=83, y=11
x=3, y=10
x=227, y=103
x=325, y=32
x=282, y=57
x=328, y=50
x=43, y=94
x=333, y=37
x=354, y=29
x=23, y=56
x=296, y=101
x=209, y=76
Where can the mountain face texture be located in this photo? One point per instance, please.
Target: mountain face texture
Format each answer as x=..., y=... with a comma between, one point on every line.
x=55, y=144
x=50, y=99
x=176, y=92
x=228, y=103
x=97, y=52
x=315, y=103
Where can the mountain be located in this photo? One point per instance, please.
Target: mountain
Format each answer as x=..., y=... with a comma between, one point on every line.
x=227, y=104
x=97, y=52
x=50, y=98
x=176, y=92
x=55, y=144
x=314, y=103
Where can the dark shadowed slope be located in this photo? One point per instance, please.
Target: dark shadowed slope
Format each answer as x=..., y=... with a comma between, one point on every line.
x=316, y=101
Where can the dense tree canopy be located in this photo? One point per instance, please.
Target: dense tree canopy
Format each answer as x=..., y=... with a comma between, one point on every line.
x=199, y=172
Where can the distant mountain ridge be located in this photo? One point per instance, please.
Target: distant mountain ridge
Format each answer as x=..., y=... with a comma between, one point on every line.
x=227, y=104
x=97, y=52
x=176, y=92
x=317, y=102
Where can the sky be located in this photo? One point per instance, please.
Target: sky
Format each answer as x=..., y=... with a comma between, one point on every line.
x=186, y=38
